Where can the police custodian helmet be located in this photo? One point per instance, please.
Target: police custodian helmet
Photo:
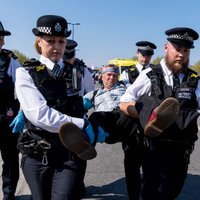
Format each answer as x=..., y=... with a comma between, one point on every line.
x=51, y=25
x=70, y=49
x=182, y=36
x=4, y=32
x=146, y=48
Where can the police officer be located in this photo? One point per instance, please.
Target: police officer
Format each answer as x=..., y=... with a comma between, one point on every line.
x=145, y=51
x=133, y=153
x=51, y=95
x=166, y=158
x=9, y=107
x=78, y=65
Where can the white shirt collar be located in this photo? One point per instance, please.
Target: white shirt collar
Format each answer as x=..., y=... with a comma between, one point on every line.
x=49, y=64
x=140, y=67
x=165, y=68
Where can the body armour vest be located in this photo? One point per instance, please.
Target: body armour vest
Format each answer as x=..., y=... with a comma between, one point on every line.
x=7, y=100
x=133, y=73
x=185, y=129
x=60, y=93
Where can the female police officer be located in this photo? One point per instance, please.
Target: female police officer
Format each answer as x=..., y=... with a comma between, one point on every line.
x=49, y=99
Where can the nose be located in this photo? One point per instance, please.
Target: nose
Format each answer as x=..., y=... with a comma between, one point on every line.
x=56, y=45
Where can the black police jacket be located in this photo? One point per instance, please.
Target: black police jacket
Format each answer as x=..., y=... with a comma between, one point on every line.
x=58, y=92
x=185, y=129
x=7, y=100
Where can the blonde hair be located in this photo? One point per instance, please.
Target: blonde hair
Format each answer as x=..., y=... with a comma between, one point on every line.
x=37, y=47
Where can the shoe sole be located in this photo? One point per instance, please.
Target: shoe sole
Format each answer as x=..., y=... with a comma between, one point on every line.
x=73, y=138
x=166, y=115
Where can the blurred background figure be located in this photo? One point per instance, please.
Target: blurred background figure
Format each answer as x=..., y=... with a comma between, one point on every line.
x=145, y=51
x=9, y=107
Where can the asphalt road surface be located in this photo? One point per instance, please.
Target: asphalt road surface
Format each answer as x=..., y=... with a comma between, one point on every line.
x=104, y=178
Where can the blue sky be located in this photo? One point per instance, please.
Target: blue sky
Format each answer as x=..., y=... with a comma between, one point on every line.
x=108, y=28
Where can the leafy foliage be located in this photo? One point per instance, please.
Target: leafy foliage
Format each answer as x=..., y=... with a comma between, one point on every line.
x=157, y=60
x=21, y=56
x=196, y=67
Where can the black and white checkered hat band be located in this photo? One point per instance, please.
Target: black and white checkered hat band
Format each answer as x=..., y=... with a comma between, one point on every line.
x=46, y=30
x=146, y=48
x=69, y=50
x=181, y=37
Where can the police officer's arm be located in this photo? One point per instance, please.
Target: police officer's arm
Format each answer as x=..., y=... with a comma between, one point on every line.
x=88, y=81
x=141, y=86
x=129, y=109
x=35, y=107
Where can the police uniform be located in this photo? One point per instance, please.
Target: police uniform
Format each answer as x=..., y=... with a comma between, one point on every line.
x=166, y=158
x=70, y=58
x=146, y=48
x=77, y=64
x=9, y=107
x=132, y=153
x=48, y=102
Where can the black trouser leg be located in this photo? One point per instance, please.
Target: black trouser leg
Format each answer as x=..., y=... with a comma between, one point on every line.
x=10, y=157
x=61, y=178
x=117, y=124
x=145, y=106
x=164, y=172
x=132, y=164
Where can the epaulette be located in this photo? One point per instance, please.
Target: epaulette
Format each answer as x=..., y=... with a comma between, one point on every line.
x=155, y=75
x=193, y=78
x=37, y=70
x=156, y=70
x=32, y=63
x=9, y=53
x=151, y=65
x=80, y=62
x=81, y=65
x=132, y=69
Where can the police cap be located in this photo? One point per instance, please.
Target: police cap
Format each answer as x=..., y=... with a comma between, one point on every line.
x=146, y=48
x=71, y=44
x=4, y=32
x=51, y=25
x=182, y=36
x=70, y=49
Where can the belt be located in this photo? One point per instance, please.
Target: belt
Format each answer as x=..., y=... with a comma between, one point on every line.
x=52, y=138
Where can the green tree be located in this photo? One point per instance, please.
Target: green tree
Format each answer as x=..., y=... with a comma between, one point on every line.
x=157, y=60
x=21, y=56
x=134, y=58
x=196, y=67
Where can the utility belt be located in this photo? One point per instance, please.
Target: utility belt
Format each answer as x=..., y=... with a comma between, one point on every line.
x=33, y=142
x=170, y=145
x=30, y=143
x=42, y=142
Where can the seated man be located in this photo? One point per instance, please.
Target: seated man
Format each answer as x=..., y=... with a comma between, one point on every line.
x=107, y=97
x=119, y=126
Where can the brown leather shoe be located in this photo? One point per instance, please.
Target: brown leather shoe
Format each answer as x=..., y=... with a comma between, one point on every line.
x=73, y=138
x=162, y=117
